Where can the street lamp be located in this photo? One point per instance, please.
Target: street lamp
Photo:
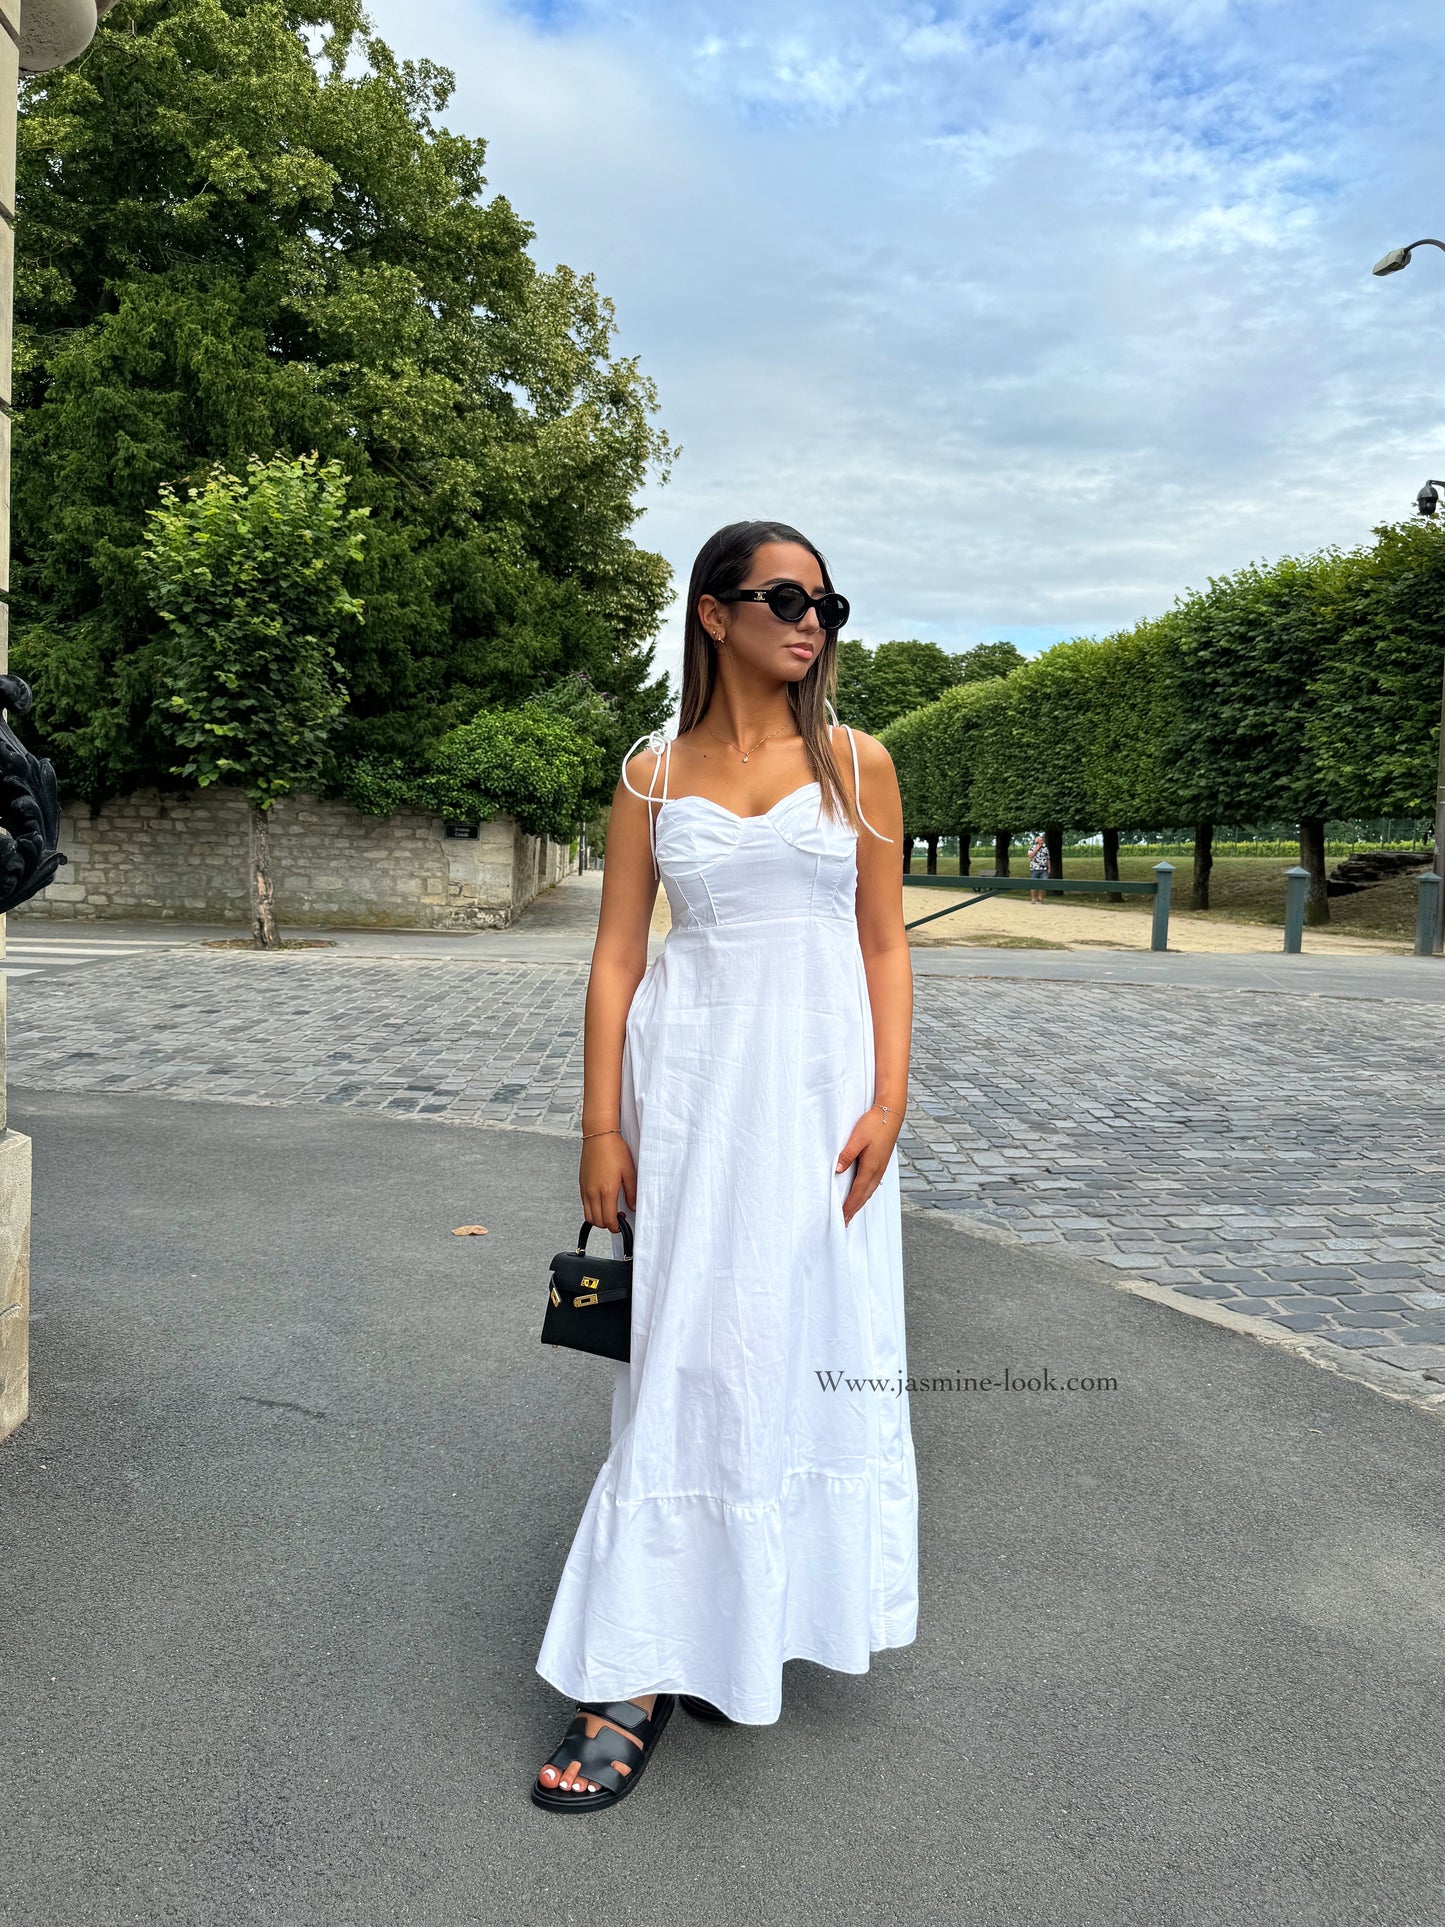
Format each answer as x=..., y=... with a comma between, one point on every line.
x=1398, y=258
x=1427, y=501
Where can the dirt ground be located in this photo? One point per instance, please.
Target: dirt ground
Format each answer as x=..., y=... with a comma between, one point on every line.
x=1078, y=925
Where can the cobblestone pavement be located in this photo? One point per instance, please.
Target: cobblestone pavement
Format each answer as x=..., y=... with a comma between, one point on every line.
x=1281, y=1156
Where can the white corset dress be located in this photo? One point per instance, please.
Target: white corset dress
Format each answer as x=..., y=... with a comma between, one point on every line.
x=755, y=1506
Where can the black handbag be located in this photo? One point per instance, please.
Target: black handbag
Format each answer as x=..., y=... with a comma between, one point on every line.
x=589, y=1300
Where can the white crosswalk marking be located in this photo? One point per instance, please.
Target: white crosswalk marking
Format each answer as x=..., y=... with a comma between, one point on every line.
x=32, y=955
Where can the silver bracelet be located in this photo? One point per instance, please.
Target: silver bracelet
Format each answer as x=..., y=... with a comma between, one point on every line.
x=888, y=1110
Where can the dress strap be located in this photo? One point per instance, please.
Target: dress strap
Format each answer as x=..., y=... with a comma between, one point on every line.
x=857, y=794
x=661, y=747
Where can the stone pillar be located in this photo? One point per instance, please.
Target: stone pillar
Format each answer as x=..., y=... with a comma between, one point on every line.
x=14, y=1149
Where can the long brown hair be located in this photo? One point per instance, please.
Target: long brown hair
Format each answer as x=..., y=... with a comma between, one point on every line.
x=722, y=565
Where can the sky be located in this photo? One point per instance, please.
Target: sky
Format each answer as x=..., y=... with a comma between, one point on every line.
x=1031, y=316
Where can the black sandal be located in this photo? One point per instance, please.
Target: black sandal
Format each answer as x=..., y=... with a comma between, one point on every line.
x=594, y=1756
x=704, y=1710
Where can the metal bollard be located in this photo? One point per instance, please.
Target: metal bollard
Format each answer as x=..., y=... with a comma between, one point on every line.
x=1427, y=914
x=1296, y=889
x=1163, y=890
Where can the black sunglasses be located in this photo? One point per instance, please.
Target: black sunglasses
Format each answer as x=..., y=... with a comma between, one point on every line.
x=790, y=602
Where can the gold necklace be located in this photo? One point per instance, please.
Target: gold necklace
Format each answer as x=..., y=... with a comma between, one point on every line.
x=744, y=753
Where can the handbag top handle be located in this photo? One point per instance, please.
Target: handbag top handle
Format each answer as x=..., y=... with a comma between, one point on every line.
x=588, y=1228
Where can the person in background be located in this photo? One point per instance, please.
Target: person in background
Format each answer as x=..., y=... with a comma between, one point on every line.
x=1038, y=865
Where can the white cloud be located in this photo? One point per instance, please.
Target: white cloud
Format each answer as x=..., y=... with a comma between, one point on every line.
x=1031, y=315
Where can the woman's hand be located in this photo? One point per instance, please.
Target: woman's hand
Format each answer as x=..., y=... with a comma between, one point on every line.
x=870, y=1143
x=607, y=1167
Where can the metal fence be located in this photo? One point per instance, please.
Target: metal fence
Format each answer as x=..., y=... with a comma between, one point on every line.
x=984, y=887
x=1296, y=881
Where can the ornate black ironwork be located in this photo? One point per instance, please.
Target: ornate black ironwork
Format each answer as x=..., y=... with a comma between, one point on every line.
x=29, y=808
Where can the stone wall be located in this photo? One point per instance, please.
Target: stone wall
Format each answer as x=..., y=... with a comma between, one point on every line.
x=185, y=857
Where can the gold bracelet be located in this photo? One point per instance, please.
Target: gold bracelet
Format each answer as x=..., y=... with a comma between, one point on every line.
x=587, y=1134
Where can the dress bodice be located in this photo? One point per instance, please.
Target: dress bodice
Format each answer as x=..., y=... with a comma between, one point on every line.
x=794, y=860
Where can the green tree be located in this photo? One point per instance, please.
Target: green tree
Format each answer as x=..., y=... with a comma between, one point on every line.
x=249, y=576
x=981, y=760
x=876, y=687
x=1246, y=654
x=850, y=695
x=989, y=661
x=1374, y=723
x=530, y=763
x=905, y=676
x=906, y=684
x=243, y=231
x=930, y=807
x=1129, y=774
x=885, y=683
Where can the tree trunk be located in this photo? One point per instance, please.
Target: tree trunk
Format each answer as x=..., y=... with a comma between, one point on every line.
x=1111, y=863
x=1001, y=841
x=933, y=855
x=1203, y=864
x=1312, y=856
x=263, y=911
x=907, y=855
x=1054, y=838
x=965, y=849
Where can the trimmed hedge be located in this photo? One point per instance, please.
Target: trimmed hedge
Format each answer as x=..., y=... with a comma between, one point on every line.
x=1305, y=690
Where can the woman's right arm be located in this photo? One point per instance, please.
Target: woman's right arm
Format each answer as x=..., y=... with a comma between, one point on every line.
x=619, y=958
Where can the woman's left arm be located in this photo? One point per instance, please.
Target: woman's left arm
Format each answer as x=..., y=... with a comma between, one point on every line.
x=889, y=967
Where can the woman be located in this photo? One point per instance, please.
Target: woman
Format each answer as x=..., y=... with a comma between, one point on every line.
x=742, y=1096
x=1038, y=866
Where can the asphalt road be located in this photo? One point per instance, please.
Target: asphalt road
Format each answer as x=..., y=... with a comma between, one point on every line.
x=278, y=1540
